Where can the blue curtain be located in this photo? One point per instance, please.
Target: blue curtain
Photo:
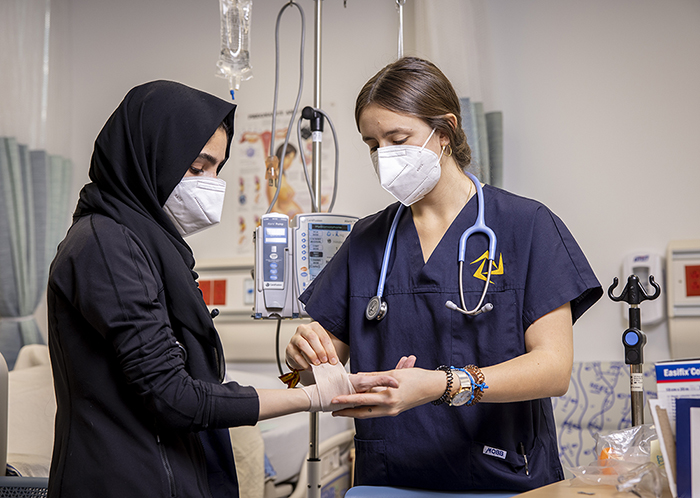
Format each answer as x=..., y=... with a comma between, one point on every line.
x=34, y=215
x=485, y=138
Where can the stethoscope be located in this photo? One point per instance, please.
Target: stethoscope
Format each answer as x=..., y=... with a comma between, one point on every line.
x=377, y=307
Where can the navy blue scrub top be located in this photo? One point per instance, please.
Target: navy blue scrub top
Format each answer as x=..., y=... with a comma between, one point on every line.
x=540, y=268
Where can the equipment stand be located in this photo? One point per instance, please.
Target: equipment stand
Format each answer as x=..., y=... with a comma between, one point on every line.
x=634, y=339
x=314, y=462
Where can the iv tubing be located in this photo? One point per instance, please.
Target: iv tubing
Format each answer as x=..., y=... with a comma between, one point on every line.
x=337, y=160
x=296, y=104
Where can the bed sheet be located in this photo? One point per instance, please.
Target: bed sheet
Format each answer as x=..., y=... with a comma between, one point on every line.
x=286, y=438
x=31, y=412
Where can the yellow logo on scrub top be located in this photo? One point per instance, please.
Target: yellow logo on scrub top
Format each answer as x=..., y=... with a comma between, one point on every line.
x=497, y=270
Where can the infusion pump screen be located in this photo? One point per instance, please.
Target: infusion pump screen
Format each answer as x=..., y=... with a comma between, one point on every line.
x=275, y=235
x=324, y=240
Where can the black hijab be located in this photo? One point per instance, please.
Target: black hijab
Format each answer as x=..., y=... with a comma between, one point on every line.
x=141, y=154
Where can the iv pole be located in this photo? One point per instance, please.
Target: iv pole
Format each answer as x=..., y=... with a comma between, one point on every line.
x=314, y=462
x=633, y=339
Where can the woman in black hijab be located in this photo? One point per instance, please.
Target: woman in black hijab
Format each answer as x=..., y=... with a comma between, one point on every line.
x=138, y=365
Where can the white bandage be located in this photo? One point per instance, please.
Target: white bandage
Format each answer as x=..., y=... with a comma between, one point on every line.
x=331, y=381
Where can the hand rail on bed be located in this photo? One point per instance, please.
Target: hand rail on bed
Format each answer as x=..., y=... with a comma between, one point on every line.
x=24, y=487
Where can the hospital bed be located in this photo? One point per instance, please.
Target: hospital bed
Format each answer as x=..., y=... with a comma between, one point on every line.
x=14, y=442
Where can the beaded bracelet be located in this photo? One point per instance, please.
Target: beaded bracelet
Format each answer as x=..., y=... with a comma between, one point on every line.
x=448, y=389
x=478, y=383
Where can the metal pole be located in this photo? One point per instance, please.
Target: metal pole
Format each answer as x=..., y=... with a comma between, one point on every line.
x=314, y=462
x=636, y=370
x=316, y=144
x=637, y=393
x=399, y=6
x=634, y=339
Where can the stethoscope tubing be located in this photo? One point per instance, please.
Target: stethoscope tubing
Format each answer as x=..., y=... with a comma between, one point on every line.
x=478, y=309
x=387, y=250
x=479, y=226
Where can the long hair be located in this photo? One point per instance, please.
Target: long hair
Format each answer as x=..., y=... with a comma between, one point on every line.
x=416, y=87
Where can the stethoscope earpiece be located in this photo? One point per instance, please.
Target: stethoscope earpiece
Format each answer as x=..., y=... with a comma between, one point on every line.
x=479, y=311
x=452, y=306
x=376, y=309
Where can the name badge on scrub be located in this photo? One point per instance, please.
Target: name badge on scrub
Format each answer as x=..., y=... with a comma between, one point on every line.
x=495, y=452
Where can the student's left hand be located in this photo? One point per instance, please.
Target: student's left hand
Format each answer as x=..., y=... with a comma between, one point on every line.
x=416, y=386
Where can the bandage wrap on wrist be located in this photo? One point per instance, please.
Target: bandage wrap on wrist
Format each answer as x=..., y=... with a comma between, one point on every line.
x=331, y=381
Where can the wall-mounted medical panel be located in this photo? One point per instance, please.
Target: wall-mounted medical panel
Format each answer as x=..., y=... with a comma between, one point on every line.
x=228, y=286
x=683, y=298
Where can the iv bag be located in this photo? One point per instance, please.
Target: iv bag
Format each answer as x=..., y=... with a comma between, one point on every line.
x=234, y=58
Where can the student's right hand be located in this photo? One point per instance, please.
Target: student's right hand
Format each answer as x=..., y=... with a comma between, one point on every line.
x=312, y=344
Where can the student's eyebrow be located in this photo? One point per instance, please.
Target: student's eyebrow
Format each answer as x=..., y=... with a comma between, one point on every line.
x=387, y=133
x=210, y=159
x=207, y=157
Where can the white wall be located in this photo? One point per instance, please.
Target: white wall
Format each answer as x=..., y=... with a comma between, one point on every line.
x=601, y=107
x=118, y=45
x=599, y=98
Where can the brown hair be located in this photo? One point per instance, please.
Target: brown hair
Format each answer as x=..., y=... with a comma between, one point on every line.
x=418, y=88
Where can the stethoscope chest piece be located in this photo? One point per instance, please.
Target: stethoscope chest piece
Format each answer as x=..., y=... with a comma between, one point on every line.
x=376, y=309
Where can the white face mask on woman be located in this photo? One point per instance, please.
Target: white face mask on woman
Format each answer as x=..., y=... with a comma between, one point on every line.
x=407, y=172
x=196, y=204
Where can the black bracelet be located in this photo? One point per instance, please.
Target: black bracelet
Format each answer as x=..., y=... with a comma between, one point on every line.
x=448, y=388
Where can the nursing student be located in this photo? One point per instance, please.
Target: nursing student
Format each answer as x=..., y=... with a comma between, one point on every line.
x=138, y=367
x=474, y=412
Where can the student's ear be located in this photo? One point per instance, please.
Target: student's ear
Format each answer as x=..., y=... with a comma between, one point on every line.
x=452, y=122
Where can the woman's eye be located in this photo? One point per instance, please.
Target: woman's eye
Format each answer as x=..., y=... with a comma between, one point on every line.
x=196, y=171
x=400, y=142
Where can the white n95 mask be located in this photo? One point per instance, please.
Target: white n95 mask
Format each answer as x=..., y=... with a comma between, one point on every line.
x=407, y=172
x=196, y=204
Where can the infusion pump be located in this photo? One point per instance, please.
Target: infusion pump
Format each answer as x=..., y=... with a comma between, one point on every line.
x=288, y=258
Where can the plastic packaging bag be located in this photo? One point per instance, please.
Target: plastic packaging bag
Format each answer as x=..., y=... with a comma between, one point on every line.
x=234, y=57
x=645, y=480
x=630, y=445
x=625, y=461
